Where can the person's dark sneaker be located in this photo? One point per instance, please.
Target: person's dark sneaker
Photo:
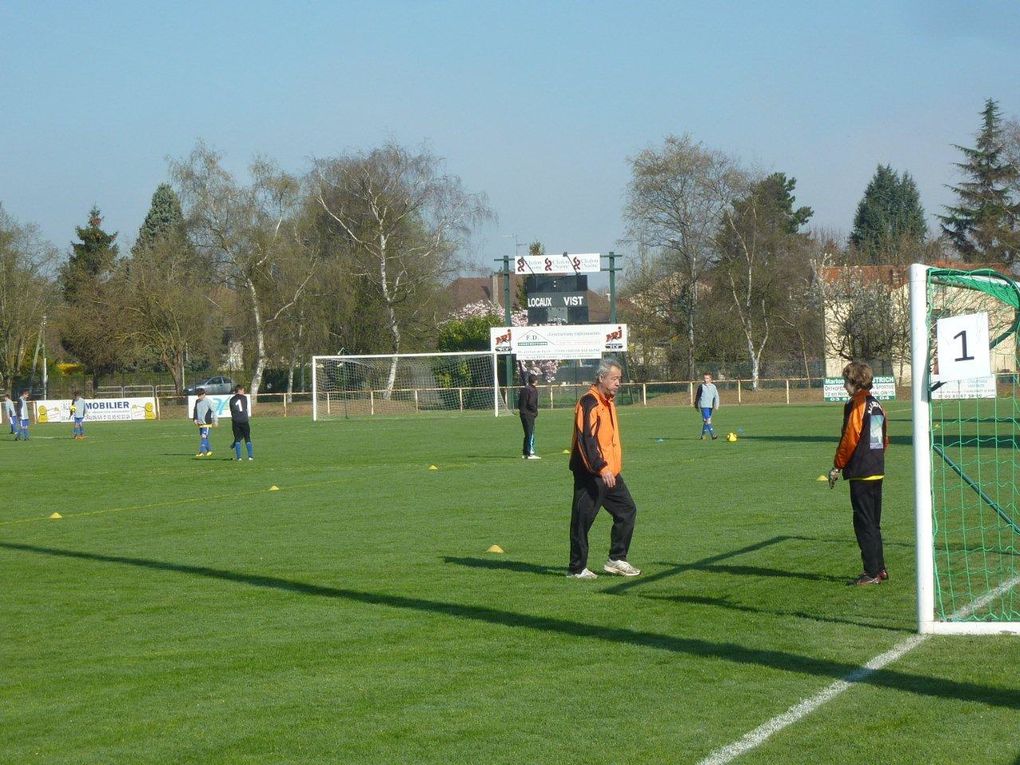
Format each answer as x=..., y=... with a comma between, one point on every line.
x=864, y=579
x=715, y=436
x=883, y=575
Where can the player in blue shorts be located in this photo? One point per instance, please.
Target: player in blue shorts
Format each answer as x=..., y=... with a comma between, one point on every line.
x=22, y=412
x=707, y=400
x=204, y=416
x=78, y=415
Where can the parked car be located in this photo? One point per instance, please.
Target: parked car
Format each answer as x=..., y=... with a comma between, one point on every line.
x=214, y=385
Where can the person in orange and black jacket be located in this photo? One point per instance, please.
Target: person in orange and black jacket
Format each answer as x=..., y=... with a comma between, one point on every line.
x=861, y=458
x=596, y=459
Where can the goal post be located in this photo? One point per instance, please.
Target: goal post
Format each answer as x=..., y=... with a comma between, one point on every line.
x=408, y=383
x=966, y=417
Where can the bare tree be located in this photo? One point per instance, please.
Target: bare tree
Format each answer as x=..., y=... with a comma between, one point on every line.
x=760, y=250
x=248, y=230
x=26, y=293
x=675, y=203
x=403, y=220
x=166, y=305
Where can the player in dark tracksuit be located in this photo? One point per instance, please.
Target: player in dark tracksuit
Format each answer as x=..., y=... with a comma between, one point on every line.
x=527, y=407
x=861, y=458
x=239, y=423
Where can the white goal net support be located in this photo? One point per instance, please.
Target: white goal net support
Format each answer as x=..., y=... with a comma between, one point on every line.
x=966, y=399
x=407, y=383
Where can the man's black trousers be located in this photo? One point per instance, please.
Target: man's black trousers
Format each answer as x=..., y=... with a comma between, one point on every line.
x=591, y=494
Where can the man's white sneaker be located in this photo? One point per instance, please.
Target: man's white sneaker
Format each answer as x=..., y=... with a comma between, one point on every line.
x=534, y=457
x=621, y=567
x=582, y=574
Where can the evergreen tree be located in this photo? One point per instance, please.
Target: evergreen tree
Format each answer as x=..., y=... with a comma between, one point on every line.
x=164, y=218
x=92, y=259
x=889, y=217
x=984, y=225
x=91, y=314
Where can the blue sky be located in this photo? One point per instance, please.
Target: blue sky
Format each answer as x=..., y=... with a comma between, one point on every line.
x=537, y=104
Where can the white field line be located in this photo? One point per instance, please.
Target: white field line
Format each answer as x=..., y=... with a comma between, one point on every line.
x=803, y=708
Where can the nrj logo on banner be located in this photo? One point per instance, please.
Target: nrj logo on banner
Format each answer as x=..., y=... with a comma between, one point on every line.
x=571, y=341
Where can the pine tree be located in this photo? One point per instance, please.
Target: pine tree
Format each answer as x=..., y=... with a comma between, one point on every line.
x=92, y=259
x=164, y=218
x=889, y=217
x=984, y=225
x=90, y=317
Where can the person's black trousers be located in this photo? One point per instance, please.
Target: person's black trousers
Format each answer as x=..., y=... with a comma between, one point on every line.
x=591, y=494
x=866, y=501
x=528, y=423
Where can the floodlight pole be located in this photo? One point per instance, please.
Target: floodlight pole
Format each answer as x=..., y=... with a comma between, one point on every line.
x=612, y=288
x=507, y=316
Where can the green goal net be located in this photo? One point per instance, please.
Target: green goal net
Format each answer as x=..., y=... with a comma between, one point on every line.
x=966, y=448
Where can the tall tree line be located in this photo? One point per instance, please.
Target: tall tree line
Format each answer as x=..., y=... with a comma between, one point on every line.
x=353, y=256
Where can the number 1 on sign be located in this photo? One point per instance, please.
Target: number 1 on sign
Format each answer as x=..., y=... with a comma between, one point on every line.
x=963, y=341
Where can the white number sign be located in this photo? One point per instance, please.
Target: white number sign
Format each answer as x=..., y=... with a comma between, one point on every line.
x=963, y=351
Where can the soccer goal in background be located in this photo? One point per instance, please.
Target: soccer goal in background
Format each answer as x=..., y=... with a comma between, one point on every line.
x=409, y=383
x=966, y=447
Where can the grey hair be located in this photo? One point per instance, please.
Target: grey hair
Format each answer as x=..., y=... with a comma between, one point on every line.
x=605, y=365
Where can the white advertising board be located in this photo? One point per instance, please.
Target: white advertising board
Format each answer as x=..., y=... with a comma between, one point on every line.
x=882, y=388
x=564, y=263
x=975, y=387
x=572, y=341
x=220, y=403
x=98, y=410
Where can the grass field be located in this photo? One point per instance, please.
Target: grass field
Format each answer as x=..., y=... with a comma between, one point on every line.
x=181, y=612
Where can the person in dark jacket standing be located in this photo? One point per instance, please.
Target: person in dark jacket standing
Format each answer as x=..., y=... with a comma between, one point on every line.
x=596, y=460
x=860, y=457
x=527, y=407
x=239, y=423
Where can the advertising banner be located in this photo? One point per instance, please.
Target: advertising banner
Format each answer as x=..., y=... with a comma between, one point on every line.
x=883, y=388
x=975, y=387
x=98, y=410
x=564, y=263
x=580, y=341
x=220, y=403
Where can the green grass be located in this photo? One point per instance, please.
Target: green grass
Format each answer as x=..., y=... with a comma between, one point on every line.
x=181, y=612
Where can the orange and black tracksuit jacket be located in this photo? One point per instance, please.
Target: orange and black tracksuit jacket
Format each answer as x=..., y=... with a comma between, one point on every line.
x=596, y=441
x=861, y=451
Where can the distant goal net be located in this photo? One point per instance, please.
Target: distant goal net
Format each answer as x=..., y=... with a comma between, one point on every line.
x=401, y=384
x=965, y=366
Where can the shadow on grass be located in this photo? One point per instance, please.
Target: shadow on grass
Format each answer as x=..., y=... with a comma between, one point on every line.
x=974, y=441
x=502, y=564
x=833, y=440
x=709, y=564
x=732, y=652
x=730, y=605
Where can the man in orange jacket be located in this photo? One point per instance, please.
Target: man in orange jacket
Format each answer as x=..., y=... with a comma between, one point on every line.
x=596, y=459
x=861, y=458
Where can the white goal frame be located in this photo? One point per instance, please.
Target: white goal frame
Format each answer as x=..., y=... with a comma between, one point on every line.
x=923, y=503
x=317, y=360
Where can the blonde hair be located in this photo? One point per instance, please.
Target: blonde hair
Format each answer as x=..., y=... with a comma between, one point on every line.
x=858, y=375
